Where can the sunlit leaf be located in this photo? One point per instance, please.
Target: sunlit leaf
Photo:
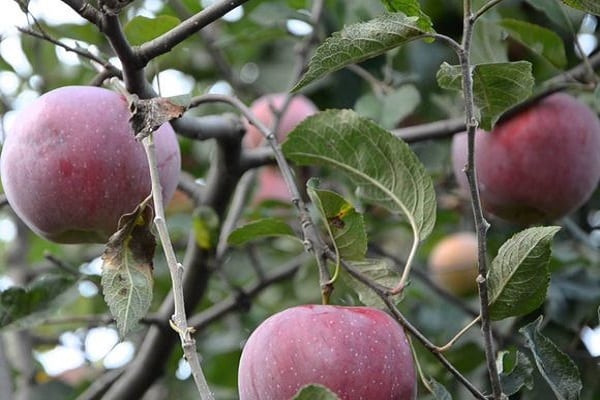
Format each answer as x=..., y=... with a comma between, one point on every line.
x=541, y=40
x=259, y=229
x=345, y=224
x=518, y=278
x=359, y=42
x=496, y=87
x=559, y=371
x=384, y=168
x=127, y=269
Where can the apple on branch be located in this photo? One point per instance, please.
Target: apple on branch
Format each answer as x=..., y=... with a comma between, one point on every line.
x=71, y=166
x=356, y=352
x=538, y=165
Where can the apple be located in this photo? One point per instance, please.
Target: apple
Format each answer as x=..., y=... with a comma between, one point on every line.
x=270, y=183
x=453, y=263
x=265, y=108
x=540, y=164
x=356, y=352
x=70, y=165
x=271, y=186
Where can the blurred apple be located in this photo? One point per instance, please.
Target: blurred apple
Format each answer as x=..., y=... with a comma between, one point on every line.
x=453, y=263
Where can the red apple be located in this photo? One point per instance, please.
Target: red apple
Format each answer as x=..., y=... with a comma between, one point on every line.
x=539, y=165
x=453, y=263
x=357, y=352
x=71, y=166
x=263, y=108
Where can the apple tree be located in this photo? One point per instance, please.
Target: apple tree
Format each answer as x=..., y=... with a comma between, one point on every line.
x=254, y=199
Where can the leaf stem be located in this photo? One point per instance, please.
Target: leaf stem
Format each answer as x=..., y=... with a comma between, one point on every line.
x=179, y=319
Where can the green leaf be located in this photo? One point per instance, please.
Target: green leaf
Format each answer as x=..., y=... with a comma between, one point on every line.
x=439, y=391
x=410, y=8
x=259, y=229
x=488, y=43
x=315, y=392
x=496, y=87
x=127, y=269
x=521, y=374
x=391, y=108
x=143, y=29
x=555, y=11
x=518, y=278
x=541, y=40
x=588, y=6
x=359, y=42
x=559, y=371
x=384, y=168
x=344, y=224
x=24, y=307
x=378, y=271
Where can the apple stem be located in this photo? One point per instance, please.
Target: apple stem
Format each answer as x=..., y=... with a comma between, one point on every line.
x=179, y=320
x=448, y=345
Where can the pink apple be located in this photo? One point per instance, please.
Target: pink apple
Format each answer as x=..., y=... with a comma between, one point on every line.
x=357, y=352
x=71, y=166
x=270, y=183
x=298, y=109
x=540, y=164
x=271, y=186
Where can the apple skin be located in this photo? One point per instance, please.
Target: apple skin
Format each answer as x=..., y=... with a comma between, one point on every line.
x=70, y=165
x=539, y=165
x=357, y=352
x=453, y=263
x=299, y=108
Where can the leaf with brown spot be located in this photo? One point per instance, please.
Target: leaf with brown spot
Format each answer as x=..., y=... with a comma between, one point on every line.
x=127, y=269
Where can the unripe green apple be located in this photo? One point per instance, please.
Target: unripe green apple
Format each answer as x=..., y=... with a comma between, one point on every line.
x=453, y=263
x=70, y=165
x=356, y=352
x=540, y=164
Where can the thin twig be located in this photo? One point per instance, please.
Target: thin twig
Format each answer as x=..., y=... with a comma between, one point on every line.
x=179, y=319
x=481, y=225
